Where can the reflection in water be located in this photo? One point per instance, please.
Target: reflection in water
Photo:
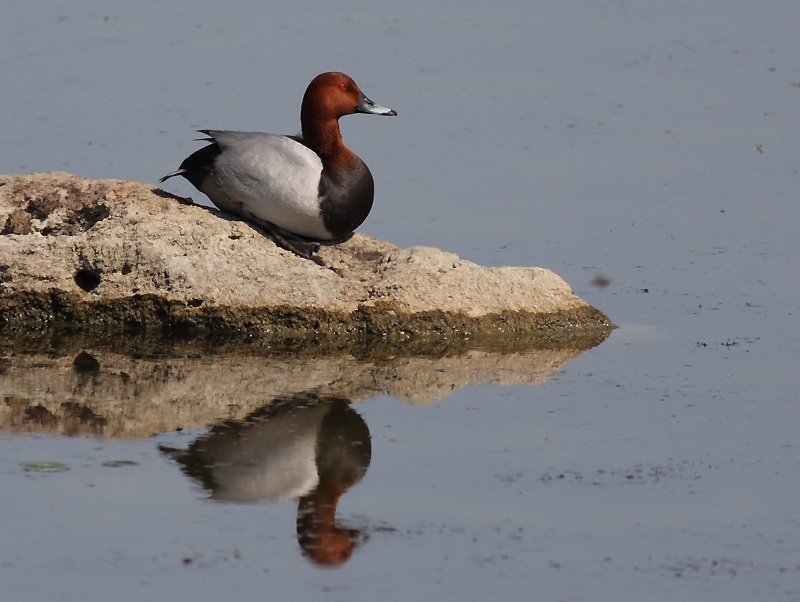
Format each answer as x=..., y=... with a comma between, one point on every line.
x=304, y=446
x=307, y=446
x=131, y=388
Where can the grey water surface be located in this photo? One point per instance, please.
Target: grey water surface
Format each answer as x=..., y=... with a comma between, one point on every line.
x=647, y=152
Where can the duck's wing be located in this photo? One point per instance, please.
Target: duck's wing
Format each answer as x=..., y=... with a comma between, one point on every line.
x=268, y=176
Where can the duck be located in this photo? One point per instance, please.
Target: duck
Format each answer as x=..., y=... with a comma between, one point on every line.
x=302, y=189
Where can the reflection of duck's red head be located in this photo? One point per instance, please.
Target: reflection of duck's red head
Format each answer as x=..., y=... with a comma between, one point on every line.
x=343, y=456
x=333, y=550
x=322, y=541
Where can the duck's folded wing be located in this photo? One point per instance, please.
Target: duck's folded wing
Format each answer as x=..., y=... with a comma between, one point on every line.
x=272, y=177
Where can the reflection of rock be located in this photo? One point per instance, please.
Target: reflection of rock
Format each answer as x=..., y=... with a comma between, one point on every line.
x=303, y=447
x=80, y=385
x=95, y=255
x=423, y=380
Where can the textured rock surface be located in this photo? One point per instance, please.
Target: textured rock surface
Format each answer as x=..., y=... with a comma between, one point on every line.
x=104, y=254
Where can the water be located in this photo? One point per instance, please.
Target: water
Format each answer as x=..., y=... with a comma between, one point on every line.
x=647, y=145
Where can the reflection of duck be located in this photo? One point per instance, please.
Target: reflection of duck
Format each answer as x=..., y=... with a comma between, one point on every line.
x=343, y=456
x=302, y=447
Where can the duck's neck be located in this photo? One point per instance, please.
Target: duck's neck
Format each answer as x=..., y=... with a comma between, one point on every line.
x=324, y=138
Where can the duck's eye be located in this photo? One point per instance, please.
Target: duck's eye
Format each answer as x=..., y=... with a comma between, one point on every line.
x=343, y=86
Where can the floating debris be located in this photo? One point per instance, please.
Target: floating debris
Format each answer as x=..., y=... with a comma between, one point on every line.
x=117, y=463
x=44, y=466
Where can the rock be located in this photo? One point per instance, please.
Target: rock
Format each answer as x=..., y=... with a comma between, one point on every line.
x=104, y=255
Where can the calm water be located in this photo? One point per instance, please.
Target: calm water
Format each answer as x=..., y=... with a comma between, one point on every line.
x=651, y=146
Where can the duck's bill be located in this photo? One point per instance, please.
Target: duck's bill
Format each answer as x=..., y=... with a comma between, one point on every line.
x=365, y=105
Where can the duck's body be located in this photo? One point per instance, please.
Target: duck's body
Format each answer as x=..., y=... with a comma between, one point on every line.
x=265, y=176
x=300, y=188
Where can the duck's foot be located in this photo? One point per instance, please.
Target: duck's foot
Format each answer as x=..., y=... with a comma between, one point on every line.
x=299, y=245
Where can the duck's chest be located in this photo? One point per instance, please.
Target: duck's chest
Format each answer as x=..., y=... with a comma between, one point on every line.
x=345, y=196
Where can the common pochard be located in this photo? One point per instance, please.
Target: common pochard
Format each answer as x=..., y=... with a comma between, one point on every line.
x=300, y=189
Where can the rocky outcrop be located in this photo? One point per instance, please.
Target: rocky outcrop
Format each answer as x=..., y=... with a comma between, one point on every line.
x=104, y=255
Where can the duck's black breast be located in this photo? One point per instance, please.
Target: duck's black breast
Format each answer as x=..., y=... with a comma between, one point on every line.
x=345, y=194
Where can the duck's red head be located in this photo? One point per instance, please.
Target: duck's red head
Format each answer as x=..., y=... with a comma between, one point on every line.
x=328, y=97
